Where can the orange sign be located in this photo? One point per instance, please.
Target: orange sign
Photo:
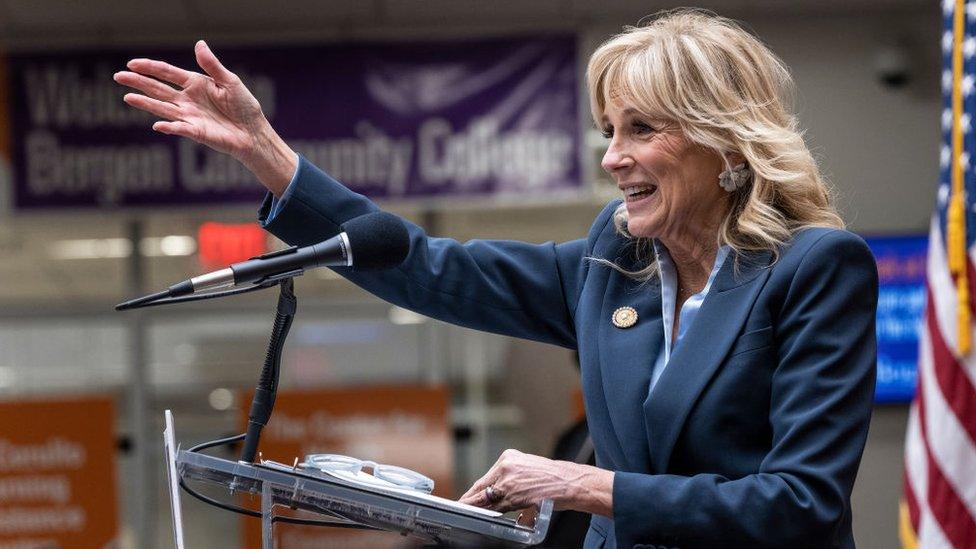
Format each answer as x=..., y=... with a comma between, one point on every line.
x=403, y=426
x=57, y=473
x=220, y=244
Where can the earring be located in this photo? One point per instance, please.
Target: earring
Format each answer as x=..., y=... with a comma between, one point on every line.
x=736, y=178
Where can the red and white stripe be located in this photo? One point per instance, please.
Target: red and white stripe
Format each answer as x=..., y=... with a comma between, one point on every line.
x=940, y=446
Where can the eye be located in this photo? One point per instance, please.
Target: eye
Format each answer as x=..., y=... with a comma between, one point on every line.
x=642, y=128
x=607, y=132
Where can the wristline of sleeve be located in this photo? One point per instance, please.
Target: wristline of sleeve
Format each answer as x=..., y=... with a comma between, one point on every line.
x=670, y=509
x=633, y=520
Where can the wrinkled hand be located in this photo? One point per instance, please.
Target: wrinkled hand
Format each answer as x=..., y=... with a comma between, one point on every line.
x=214, y=109
x=521, y=481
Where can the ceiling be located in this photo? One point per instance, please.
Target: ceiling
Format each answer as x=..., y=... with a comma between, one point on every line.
x=47, y=24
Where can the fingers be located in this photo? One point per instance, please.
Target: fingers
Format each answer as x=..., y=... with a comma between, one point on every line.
x=477, y=489
x=161, y=70
x=149, y=86
x=478, y=498
x=211, y=65
x=517, y=481
x=178, y=127
x=476, y=495
x=159, y=108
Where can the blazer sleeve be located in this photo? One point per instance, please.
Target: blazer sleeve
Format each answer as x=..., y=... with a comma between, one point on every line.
x=506, y=287
x=821, y=399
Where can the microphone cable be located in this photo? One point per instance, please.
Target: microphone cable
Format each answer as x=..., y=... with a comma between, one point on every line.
x=262, y=404
x=265, y=392
x=252, y=513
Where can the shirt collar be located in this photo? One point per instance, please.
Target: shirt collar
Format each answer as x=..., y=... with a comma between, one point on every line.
x=666, y=264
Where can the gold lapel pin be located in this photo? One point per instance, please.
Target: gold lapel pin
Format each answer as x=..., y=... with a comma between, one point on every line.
x=624, y=317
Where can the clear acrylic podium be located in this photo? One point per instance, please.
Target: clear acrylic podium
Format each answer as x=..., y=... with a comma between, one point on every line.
x=280, y=487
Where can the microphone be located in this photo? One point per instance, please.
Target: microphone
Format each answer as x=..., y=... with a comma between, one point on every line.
x=373, y=241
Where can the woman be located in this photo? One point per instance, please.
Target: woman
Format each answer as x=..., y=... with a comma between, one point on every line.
x=724, y=319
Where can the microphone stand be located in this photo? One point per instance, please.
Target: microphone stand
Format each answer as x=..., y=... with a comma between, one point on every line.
x=267, y=388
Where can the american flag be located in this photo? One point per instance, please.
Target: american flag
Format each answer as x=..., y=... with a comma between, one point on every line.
x=939, y=504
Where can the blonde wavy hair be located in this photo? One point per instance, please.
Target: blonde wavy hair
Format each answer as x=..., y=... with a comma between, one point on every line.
x=726, y=91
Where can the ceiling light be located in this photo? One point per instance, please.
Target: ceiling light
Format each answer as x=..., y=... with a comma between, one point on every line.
x=117, y=248
x=221, y=398
x=91, y=248
x=168, y=246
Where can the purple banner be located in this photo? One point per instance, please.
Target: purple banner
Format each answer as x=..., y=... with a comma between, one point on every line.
x=412, y=120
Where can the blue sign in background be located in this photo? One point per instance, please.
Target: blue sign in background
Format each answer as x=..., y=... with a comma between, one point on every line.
x=901, y=305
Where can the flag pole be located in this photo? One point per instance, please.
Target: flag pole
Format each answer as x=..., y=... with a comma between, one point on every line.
x=956, y=225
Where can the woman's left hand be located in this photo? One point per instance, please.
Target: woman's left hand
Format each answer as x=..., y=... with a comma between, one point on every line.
x=520, y=481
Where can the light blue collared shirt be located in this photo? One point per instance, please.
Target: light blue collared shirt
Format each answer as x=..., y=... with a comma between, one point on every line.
x=669, y=296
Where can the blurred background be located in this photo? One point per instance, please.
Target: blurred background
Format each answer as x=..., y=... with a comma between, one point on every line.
x=410, y=102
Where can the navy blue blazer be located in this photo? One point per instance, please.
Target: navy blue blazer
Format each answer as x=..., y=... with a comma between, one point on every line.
x=753, y=434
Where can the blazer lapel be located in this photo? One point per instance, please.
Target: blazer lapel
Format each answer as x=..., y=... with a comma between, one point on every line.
x=700, y=353
x=627, y=356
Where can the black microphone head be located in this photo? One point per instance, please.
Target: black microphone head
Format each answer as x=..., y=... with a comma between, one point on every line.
x=377, y=240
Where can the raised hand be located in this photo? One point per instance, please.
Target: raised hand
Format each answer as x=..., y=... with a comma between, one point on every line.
x=215, y=109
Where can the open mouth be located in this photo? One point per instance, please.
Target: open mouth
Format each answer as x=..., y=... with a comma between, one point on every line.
x=639, y=192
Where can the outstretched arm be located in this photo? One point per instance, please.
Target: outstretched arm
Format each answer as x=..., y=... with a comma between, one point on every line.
x=513, y=288
x=213, y=108
x=505, y=287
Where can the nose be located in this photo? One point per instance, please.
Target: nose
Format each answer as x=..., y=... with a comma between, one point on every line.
x=616, y=158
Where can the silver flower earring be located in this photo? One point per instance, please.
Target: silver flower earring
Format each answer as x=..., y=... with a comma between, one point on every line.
x=736, y=178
